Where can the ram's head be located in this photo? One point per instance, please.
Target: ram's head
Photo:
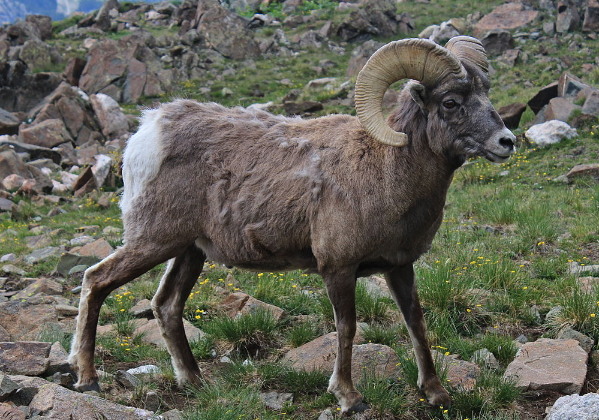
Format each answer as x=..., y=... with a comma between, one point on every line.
x=451, y=88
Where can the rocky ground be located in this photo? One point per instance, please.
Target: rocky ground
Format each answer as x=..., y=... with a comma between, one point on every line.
x=68, y=96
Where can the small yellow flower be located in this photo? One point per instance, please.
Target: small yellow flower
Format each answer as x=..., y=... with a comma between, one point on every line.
x=592, y=315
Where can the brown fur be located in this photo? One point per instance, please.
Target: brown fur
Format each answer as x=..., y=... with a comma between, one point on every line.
x=249, y=189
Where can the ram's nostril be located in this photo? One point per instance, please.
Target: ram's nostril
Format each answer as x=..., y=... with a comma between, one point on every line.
x=506, y=142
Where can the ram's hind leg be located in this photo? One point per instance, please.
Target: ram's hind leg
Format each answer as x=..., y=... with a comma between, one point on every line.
x=99, y=281
x=168, y=304
x=403, y=288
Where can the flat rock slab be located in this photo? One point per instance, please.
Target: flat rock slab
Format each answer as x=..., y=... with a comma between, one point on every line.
x=575, y=407
x=240, y=303
x=152, y=335
x=460, y=373
x=24, y=357
x=56, y=402
x=320, y=355
x=546, y=364
x=507, y=16
x=24, y=319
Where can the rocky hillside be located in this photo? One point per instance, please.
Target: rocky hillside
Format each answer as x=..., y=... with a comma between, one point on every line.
x=509, y=288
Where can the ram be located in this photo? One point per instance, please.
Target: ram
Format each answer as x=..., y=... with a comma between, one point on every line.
x=338, y=195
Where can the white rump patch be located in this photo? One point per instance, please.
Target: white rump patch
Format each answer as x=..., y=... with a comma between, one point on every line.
x=142, y=158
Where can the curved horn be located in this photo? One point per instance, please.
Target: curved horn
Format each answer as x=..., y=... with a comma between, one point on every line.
x=418, y=59
x=469, y=49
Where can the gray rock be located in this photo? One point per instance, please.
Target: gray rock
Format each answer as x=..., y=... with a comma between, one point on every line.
x=444, y=33
x=550, y=132
x=326, y=415
x=10, y=412
x=9, y=123
x=152, y=401
x=591, y=17
x=111, y=117
x=360, y=56
x=460, y=373
x=12, y=269
x=590, y=171
x=48, y=134
x=152, y=335
x=7, y=387
x=320, y=354
x=42, y=254
x=24, y=357
x=275, y=400
x=27, y=319
x=126, y=379
x=561, y=109
x=376, y=286
x=145, y=370
x=58, y=402
x=68, y=261
x=57, y=362
x=584, y=341
x=40, y=286
x=225, y=31
x=568, y=18
x=568, y=85
x=497, y=41
x=591, y=104
x=142, y=309
x=578, y=269
x=508, y=16
x=575, y=407
x=546, y=364
x=485, y=358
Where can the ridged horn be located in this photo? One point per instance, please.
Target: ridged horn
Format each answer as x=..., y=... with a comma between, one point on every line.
x=418, y=59
x=469, y=49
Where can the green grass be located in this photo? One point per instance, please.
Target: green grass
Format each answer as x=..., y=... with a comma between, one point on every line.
x=248, y=333
x=504, y=246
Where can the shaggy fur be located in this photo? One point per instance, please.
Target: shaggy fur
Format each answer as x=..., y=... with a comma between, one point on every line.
x=249, y=189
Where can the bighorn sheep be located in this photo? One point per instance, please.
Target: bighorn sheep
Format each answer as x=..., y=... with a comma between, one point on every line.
x=337, y=195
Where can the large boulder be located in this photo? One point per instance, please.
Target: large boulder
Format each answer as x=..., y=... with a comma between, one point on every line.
x=497, y=41
x=575, y=407
x=43, y=25
x=225, y=31
x=48, y=133
x=74, y=109
x=26, y=319
x=547, y=364
x=112, y=120
x=374, y=18
x=21, y=91
x=550, y=132
x=38, y=55
x=368, y=358
x=58, y=402
x=9, y=123
x=108, y=61
x=508, y=16
x=24, y=357
x=591, y=17
x=11, y=163
x=360, y=55
x=568, y=18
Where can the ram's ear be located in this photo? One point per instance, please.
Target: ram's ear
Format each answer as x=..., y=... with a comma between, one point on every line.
x=419, y=94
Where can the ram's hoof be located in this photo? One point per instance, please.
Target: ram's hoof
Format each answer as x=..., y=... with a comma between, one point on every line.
x=358, y=408
x=94, y=386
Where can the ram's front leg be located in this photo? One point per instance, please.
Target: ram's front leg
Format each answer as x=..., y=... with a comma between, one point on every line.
x=403, y=288
x=341, y=291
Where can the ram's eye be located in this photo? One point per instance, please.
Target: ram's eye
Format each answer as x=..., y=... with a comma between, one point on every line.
x=450, y=103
